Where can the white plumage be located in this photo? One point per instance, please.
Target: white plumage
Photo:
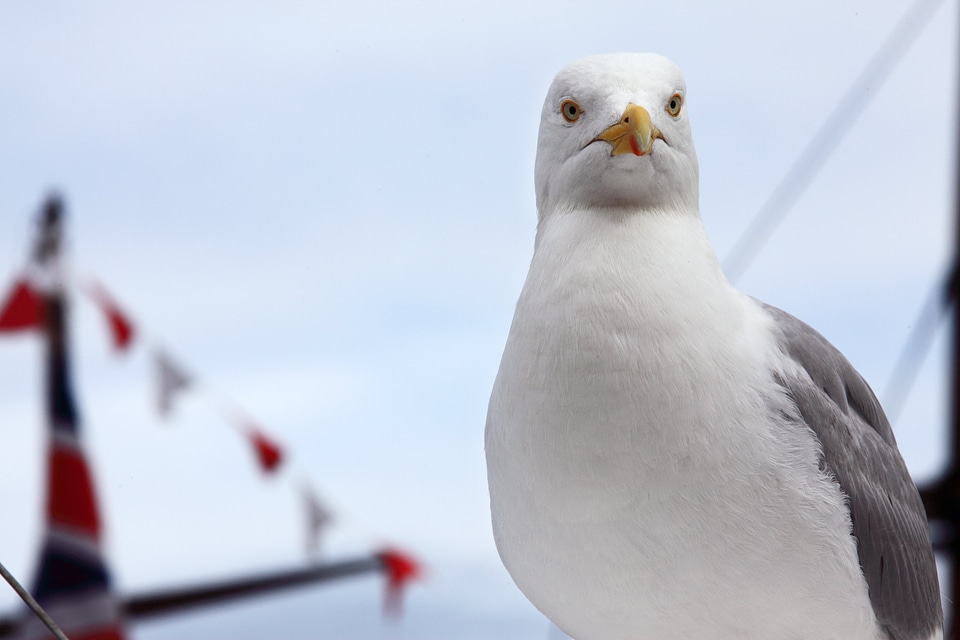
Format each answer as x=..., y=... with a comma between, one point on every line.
x=652, y=472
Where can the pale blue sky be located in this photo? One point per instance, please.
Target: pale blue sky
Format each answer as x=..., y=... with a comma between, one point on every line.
x=326, y=213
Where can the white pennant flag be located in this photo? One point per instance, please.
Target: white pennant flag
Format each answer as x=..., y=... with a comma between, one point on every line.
x=318, y=518
x=171, y=379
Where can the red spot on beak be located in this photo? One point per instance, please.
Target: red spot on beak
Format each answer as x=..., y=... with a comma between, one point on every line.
x=635, y=147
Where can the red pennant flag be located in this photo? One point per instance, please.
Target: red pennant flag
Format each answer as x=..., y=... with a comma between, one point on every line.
x=268, y=453
x=121, y=329
x=400, y=569
x=23, y=308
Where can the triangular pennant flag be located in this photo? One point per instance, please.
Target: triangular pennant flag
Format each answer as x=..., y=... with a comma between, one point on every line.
x=318, y=518
x=121, y=328
x=400, y=569
x=171, y=379
x=268, y=453
x=23, y=308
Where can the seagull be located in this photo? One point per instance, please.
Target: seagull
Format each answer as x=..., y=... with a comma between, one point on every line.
x=667, y=457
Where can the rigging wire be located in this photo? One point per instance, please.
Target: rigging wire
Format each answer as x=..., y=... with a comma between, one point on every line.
x=938, y=302
x=844, y=115
x=34, y=606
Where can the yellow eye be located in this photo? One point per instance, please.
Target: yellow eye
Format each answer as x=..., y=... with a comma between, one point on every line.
x=570, y=110
x=674, y=104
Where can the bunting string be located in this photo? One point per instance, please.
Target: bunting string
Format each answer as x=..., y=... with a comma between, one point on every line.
x=22, y=311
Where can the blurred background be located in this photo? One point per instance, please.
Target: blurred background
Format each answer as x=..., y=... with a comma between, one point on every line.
x=325, y=213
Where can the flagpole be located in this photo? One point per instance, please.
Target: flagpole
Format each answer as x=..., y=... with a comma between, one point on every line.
x=72, y=577
x=45, y=253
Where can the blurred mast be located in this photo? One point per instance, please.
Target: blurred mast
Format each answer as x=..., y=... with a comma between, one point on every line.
x=952, y=475
x=942, y=496
x=72, y=581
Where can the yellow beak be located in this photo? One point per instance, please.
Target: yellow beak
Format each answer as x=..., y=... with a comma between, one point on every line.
x=633, y=134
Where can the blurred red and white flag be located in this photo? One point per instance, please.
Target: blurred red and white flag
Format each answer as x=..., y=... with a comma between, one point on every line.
x=400, y=568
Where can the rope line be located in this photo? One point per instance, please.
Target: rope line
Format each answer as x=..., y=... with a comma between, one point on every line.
x=938, y=302
x=811, y=160
x=33, y=604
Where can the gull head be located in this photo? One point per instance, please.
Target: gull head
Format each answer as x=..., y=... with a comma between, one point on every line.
x=614, y=133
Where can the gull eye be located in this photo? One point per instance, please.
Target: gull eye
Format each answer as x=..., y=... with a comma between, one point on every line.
x=674, y=104
x=570, y=110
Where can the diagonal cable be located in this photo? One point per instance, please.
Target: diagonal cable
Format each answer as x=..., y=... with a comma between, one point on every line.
x=30, y=602
x=858, y=96
x=939, y=301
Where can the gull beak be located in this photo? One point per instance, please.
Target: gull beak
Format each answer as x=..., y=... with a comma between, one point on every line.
x=633, y=134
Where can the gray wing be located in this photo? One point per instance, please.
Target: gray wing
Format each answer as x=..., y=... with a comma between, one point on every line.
x=859, y=449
